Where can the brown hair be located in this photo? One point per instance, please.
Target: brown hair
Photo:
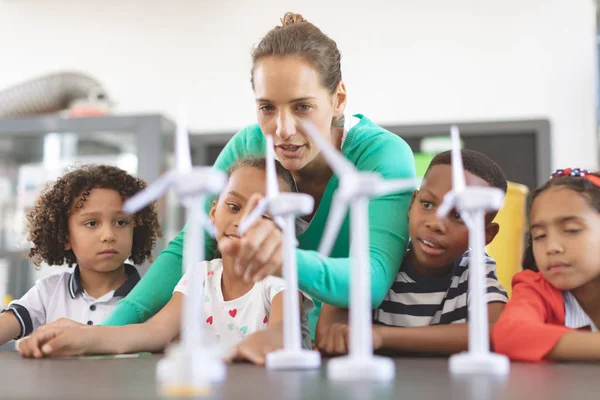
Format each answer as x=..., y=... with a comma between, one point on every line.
x=296, y=36
x=48, y=220
x=261, y=163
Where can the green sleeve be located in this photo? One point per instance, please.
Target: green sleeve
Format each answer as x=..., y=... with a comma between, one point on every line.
x=156, y=287
x=328, y=279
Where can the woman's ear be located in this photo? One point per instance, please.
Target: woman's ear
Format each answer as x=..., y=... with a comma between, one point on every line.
x=340, y=99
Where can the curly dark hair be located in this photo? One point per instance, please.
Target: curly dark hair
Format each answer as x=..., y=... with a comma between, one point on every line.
x=47, y=222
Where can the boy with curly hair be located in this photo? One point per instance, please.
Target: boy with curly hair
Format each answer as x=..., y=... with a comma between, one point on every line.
x=79, y=220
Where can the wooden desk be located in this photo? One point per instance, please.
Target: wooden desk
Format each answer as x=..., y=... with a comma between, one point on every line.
x=417, y=378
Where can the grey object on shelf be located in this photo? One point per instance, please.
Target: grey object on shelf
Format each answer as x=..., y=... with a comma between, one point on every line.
x=51, y=93
x=149, y=130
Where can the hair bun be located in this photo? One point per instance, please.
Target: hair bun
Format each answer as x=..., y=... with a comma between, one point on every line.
x=291, y=19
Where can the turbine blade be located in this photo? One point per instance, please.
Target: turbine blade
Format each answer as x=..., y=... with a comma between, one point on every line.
x=150, y=194
x=385, y=186
x=337, y=213
x=272, y=185
x=458, y=172
x=335, y=159
x=448, y=203
x=206, y=222
x=183, y=158
x=254, y=216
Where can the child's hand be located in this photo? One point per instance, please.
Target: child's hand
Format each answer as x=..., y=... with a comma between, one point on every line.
x=256, y=346
x=55, y=342
x=337, y=339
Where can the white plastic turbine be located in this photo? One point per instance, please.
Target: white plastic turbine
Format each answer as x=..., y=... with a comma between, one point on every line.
x=472, y=203
x=192, y=365
x=354, y=191
x=286, y=207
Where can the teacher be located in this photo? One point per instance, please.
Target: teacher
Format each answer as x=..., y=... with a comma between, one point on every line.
x=296, y=75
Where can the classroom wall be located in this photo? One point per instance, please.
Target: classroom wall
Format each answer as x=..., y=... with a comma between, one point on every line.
x=408, y=61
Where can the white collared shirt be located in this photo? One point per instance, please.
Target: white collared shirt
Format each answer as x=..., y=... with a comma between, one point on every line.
x=575, y=316
x=62, y=296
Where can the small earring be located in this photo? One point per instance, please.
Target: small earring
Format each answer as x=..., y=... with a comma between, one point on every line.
x=338, y=122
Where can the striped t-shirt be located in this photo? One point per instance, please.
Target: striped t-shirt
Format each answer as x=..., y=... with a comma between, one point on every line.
x=415, y=300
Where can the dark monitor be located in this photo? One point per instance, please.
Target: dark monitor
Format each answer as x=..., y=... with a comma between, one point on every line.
x=206, y=148
x=521, y=148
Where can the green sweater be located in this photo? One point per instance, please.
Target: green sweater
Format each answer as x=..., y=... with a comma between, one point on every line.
x=327, y=279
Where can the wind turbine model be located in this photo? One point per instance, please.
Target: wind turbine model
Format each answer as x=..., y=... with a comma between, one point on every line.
x=189, y=367
x=355, y=190
x=286, y=206
x=472, y=202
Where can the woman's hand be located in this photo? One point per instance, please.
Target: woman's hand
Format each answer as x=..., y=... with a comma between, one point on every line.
x=258, y=253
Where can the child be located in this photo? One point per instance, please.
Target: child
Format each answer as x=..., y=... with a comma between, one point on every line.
x=234, y=310
x=79, y=220
x=554, y=314
x=426, y=308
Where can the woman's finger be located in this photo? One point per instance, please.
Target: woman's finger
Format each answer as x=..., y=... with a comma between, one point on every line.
x=252, y=242
x=272, y=267
x=270, y=246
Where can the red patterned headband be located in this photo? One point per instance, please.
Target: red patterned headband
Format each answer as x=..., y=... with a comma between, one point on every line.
x=576, y=172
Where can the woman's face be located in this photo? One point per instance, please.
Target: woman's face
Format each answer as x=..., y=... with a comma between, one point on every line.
x=288, y=90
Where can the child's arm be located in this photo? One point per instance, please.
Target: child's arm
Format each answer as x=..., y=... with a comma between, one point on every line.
x=276, y=314
x=256, y=346
x=576, y=346
x=438, y=339
x=9, y=327
x=153, y=335
x=442, y=339
x=523, y=331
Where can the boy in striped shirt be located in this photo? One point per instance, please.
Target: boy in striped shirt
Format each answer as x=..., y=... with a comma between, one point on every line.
x=426, y=309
